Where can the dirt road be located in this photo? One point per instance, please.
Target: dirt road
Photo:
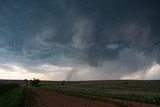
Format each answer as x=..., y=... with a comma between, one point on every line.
x=50, y=99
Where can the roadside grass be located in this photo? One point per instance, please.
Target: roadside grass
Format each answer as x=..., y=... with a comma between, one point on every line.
x=29, y=98
x=5, y=87
x=98, y=95
x=12, y=98
x=13, y=95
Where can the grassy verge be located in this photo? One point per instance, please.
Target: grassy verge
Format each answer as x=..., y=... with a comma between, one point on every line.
x=29, y=98
x=93, y=95
x=5, y=87
x=13, y=95
x=12, y=98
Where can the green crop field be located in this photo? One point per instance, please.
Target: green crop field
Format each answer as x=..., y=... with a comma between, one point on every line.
x=14, y=95
x=139, y=91
x=11, y=95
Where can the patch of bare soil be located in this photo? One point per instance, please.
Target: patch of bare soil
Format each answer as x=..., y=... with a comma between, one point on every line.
x=50, y=99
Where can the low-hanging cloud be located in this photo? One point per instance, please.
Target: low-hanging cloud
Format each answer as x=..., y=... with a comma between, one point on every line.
x=81, y=40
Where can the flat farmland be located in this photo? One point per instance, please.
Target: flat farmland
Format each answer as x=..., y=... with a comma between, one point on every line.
x=147, y=92
x=108, y=93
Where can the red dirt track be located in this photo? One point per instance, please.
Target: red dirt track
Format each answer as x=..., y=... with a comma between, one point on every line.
x=50, y=99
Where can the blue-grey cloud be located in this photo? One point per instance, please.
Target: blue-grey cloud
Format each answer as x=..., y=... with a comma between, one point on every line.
x=101, y=36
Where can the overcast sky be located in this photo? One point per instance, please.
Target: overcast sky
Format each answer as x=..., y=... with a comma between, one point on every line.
x=79, y=39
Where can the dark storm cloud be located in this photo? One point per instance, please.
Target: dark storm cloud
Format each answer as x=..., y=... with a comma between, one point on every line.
x=68, y=33
x=130, y=23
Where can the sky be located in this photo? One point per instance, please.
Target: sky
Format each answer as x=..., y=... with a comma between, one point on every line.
x=80, y=39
